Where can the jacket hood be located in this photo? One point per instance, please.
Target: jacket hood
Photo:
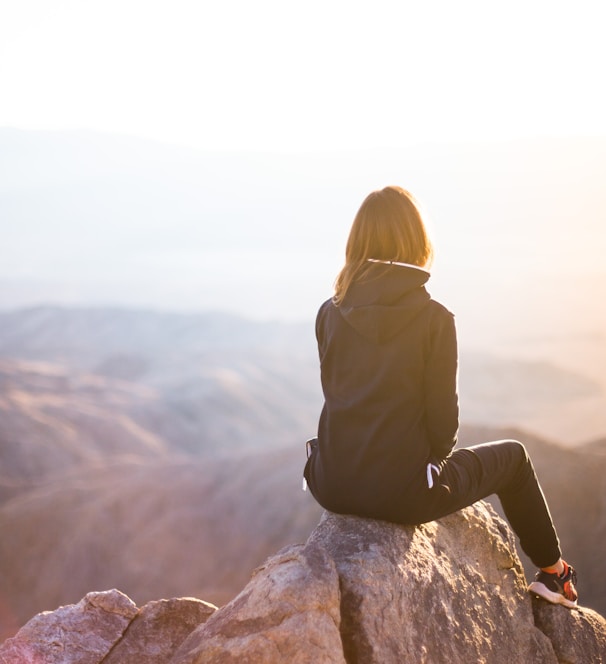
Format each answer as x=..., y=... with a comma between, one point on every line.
x=386, y=300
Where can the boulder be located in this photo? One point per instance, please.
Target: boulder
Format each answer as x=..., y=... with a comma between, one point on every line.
x=158, y=629
x=447, y=591
x=576, y=636
x=82, y=633
x=106, y=627
x=289, y=612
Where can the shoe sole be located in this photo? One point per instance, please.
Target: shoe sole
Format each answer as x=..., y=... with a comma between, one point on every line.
x=541, y=590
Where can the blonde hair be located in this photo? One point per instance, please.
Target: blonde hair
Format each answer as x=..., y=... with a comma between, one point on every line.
x=387, y=227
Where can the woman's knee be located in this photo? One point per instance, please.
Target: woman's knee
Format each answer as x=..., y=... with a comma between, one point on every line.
x=521, y=461
x=513, y=450
x=517, y=449
x=512, y=460
x=517, y=452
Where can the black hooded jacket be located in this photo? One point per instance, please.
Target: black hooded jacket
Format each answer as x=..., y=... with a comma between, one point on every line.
x=388, y=359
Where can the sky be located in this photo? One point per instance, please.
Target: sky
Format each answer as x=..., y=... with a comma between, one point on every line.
x=281, y=79
x=276, y=75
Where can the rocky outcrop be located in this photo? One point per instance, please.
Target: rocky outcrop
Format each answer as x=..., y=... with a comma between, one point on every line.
x=84, y=632
x=158, y=629
x=106, y=627
x=576, y=636
x=358, y=592
x=448, y=591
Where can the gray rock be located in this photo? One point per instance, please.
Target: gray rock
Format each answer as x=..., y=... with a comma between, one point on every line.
x=106, y=627
x=82, y=633
x=158, y=630
x=446, y=592
x=289, y=612
x=577, y=637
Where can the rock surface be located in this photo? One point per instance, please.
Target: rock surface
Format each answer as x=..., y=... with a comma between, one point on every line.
x=576, y=636
x=158, y=629
x=289, y=612
x=106, y=627
x=358, y=592
x=448, y=591
x=83, y=632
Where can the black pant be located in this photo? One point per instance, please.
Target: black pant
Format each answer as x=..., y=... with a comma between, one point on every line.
x=503, y=468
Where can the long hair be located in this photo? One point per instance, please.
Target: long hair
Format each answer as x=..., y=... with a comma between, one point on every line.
x=387, y=227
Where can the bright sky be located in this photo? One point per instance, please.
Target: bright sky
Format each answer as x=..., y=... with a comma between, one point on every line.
x=280, y=75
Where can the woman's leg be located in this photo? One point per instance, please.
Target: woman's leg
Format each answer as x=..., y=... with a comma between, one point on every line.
x=503, y=468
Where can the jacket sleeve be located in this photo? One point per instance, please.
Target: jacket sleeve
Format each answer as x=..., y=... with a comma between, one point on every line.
x=321, y=328
x=441, y=396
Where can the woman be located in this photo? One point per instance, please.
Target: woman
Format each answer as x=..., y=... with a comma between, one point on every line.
x=388, y=359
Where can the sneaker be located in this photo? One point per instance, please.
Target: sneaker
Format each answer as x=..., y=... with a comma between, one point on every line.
x=555, y=588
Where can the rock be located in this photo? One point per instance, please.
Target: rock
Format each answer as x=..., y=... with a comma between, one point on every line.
x=82, y=633
x=289, y=612
x=106, y=627
x=448, y=591
x=577, y=636
x=158, y=630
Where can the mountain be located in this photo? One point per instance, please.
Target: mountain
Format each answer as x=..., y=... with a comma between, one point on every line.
x=596, y=446
x=53, y=418
x=213, y=377
x=84, y=337
x=76, y=381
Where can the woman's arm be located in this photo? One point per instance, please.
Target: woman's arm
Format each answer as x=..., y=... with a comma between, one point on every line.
x=441, y=396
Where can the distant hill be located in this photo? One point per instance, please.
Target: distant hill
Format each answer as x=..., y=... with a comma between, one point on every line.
x=214, y=381
x=80, y=386
x=53, y=418
x=210, y=382
x=152, y=528
x=595, y=446
x=85, y=338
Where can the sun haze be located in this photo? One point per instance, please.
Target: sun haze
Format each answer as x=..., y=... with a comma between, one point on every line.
x=318, y=75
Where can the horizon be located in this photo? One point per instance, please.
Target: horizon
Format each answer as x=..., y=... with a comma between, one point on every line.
x=201, y=157
x=95, y=219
